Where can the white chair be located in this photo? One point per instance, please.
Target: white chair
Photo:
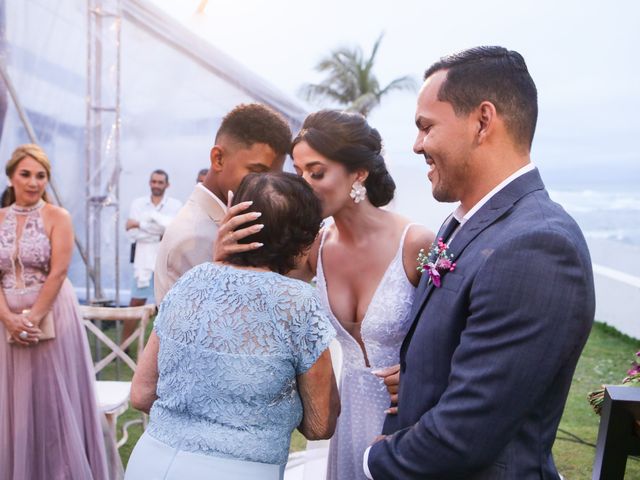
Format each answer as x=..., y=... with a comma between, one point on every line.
x=113, y=396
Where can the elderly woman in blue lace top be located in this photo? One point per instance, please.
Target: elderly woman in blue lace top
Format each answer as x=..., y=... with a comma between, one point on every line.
x=239, y=353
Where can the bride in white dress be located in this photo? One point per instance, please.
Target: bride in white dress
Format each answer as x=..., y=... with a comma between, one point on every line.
x=366, y=271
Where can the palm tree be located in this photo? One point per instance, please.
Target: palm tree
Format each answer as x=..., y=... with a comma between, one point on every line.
x=351, y=82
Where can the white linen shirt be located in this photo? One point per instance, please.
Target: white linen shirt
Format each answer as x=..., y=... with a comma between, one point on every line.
x=153, y=220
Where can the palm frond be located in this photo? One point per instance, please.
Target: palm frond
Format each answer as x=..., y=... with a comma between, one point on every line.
x=402, y=83
x=349, y=80
x=374, y=51
x=364, y=103
x=313, y=93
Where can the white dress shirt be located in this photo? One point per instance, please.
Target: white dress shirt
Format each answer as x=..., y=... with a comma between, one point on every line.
x=153, y=220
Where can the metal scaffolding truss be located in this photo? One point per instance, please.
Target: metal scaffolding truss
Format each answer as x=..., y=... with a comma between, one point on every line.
x=103, y=166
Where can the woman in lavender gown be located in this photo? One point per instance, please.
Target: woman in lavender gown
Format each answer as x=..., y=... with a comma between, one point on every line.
x=49, y=424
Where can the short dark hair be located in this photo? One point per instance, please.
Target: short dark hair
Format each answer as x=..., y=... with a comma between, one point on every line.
x=257, y=123
x=492, y=74
x=159, y=171
x=291, y=215
x=347, y=138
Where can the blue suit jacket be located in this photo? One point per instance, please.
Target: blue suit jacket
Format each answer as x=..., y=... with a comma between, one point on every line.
x=487, y=364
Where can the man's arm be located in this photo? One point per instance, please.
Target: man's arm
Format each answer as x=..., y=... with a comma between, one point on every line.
x=133, y=220
x=531, y=308
x=131, y=223
x=135, y=224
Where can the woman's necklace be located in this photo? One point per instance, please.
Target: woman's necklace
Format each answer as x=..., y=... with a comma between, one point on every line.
x=24, y=210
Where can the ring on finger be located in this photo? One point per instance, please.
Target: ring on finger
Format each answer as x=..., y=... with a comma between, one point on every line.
x=23, y=335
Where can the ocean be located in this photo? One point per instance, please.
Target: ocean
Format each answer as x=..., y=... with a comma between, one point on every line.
x=607, y=212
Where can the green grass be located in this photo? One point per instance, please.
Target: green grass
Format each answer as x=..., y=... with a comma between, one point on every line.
x=298, y=442
x=605, y=360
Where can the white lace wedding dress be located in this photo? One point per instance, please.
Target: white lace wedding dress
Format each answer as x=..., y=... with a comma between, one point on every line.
x=363, y=396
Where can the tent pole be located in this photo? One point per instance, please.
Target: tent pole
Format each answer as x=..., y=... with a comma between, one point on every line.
x=103, y=135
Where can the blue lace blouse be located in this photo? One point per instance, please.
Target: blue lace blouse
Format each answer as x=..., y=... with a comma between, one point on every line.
x=231, y=344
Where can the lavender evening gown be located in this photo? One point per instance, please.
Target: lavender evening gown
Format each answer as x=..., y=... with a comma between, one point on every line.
x=49, y=424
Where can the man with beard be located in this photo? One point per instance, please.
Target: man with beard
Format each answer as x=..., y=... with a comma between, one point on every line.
x=148, y=218
x=506, y=299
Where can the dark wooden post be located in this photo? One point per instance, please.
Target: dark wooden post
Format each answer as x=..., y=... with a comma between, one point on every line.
x=617, y=436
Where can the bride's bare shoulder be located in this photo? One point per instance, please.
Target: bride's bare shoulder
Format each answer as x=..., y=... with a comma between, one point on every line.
x=418, y=237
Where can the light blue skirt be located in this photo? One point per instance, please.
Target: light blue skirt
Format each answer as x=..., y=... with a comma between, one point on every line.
x=152, y=459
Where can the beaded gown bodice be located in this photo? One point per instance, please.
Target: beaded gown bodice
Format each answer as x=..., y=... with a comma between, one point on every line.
x=25, y=249
x=385, y=322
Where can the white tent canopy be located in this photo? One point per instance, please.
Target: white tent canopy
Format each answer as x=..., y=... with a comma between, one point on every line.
x=173, y=90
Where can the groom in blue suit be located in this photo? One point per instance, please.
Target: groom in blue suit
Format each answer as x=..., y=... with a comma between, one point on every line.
x=487, y=364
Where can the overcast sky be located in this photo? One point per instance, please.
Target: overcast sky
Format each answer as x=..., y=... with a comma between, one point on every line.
x=583, y=55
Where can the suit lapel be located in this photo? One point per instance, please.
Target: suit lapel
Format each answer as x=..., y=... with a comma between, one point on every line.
x=490, y=213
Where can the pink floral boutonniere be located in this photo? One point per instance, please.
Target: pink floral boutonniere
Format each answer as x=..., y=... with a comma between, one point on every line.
x=437, y=262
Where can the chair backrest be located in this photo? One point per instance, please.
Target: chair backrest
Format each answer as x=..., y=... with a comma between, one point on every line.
x=143, y=314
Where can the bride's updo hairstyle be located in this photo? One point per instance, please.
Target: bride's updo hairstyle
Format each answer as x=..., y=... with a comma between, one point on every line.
x=348, y=139
x=291, y=215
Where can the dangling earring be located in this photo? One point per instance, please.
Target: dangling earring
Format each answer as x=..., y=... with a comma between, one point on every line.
x=358, y=191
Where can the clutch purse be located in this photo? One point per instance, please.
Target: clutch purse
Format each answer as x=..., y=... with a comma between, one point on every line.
x=46, y=325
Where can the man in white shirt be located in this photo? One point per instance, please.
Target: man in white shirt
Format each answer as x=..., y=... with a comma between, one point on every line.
x=252, y=138
x=148, y=218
